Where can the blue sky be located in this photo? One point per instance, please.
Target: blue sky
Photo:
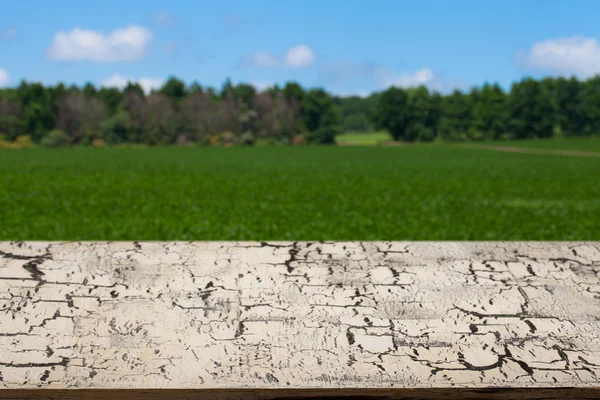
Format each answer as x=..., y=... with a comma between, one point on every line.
x=346, y=46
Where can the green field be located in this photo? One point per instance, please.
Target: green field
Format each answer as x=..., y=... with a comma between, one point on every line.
x=571, y=144
x=439, y=192
x=363, y=138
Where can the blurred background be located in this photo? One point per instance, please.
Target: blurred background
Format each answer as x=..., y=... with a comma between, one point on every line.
x=312, y=120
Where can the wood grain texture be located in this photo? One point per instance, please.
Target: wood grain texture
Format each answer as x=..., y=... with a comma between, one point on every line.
x=295, y=316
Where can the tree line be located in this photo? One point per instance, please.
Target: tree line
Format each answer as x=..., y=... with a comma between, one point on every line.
x=174, y=113
x=550, y=107
x=239, y=114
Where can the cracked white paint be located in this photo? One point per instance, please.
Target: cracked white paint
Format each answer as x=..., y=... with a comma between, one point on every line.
x=300, y=315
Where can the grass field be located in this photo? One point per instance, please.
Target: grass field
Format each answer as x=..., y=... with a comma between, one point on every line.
x=436, y=192
x=576, y=144
x=363, y=138
x=570, y=144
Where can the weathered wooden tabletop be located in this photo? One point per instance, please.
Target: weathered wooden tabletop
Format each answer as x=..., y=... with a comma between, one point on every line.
x=249, y=315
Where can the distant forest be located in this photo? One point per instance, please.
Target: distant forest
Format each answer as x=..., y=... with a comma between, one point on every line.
x=56, y=116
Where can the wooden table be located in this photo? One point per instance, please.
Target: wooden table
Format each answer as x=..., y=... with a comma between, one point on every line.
x=107, y=320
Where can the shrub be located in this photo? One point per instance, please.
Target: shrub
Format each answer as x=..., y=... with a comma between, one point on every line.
x=426, y=134
x=247, y=139
x=89, y=137
x=284, y=141
x=475, y=134
x=24, y=142
x=212, y=140
x=418, y=131
x=324, y=135
x=98, y=143
x=55, y=138
x=299, y=140
x=114, y=129
x=5, y=144
x=507, y=136
x=227, y=139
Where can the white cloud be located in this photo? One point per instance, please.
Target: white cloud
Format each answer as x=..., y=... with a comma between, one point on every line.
x=120, y=82
x=299, y=56
x=262, y=85
x=575, y=55
x=351, y=93
x=127, y=44
x=425, y=76
x=9, y=33
x=4, y=78
x=355, y=78
x=263, y=59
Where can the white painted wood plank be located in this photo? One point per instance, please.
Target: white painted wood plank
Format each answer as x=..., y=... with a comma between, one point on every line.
x=200, y=315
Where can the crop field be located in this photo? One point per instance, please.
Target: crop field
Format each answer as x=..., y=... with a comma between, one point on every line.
x=587, y=144
x=363, y=138
x=572, y=144
x=436, y=192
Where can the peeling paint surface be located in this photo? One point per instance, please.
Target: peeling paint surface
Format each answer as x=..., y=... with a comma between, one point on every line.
x=300, y=315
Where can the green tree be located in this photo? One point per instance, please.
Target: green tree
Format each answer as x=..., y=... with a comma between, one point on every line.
x=591, y=106
x=490, y=115
x=173, y=88
x=89, y=90
x=38, y=114
x=116, y=129
x=320, y=118
x=56, y=93
x=293, y=91
x=194, y=88
x=227, y=89
x=212, y=94
x=531, y=110
x=356, y=105
x=356, y=123
x=111, y=97
x=392, y=112
x=11, y=124
x=73, y=89
x=456, y=116
x=134, y=87
x=569, y=102
x=421, y=119
x=244, y=93
x=274, y=91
